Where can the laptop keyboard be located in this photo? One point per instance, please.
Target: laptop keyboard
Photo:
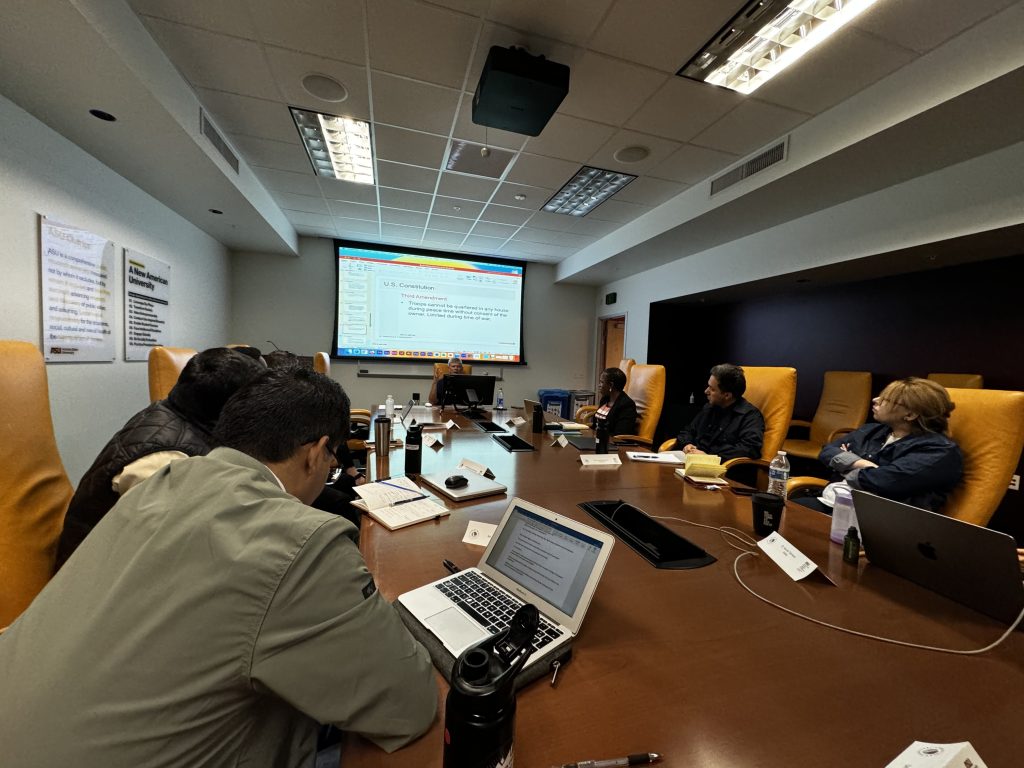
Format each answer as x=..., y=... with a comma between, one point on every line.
x=491, y=607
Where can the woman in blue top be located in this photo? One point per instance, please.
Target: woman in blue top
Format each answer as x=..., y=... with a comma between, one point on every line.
x=907, y=454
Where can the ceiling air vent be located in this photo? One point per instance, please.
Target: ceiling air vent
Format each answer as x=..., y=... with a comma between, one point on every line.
x=217, y=140
x=764, y=159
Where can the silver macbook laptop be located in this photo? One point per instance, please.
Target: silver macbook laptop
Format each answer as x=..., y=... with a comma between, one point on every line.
x=475, y=487
x=973, y=565
x=534, y=556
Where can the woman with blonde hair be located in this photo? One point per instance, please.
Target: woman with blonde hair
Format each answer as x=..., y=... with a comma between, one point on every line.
x=906, y=455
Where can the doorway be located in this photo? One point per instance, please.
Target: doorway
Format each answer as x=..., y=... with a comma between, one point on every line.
x=613, y=343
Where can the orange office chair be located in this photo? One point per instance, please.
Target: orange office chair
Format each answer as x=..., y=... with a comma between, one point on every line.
x=843, y=406
x=959, y=380
x=626, y=365
x=646, y=385
x=440, y=369
x=34, y=489
x=322, y=363
x=165, y=365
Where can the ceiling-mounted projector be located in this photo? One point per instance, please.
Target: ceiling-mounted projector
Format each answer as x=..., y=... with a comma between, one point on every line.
x=518, y=92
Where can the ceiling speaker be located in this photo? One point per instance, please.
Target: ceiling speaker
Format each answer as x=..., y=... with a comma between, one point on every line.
x=518, y=92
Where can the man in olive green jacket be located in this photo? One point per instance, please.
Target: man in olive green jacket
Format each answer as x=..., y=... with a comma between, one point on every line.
x=212, y=618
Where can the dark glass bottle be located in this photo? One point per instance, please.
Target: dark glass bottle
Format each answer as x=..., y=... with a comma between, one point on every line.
x=538, y=419
x=851, y=546
x=414, y=449
x=601, y=430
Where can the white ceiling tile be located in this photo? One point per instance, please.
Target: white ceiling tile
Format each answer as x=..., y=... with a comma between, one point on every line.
x=405, y=218
x=352, y=227
x=596, y=77
x=691, y=164
x=399, y=145
x=406, y=177
x=307, y=231
x=417, y=40
x=504, y=214
x=453, y=206
x=466, y=129
x=616, y=210
x=449, y=224
x=531, y=235
x=341, y=209
x=289, y=68
x=569, y=138
x=301, y=218
x=401, y=198
x=232, y=113
x=216, y=61
x=349, y=191
x=477, y=159
x=556, y=222
x=410, y=104
x=571, y=22
x=537, y=171
x=466, y=187
x=283, y=156
x=290, y=202
x=287, y=181
x=594, y=227
x=682, y=108
x=748, y=127
x=824, y=77
x=649, y=191
x=442, y=239
x=533, y=197
x=663, y=34
x=659, y=150
x=557, y=252
x=400, y=233
x=226, y=16
x=924, y=24
x=322, y=27
x=489, y=229
x=482, y=244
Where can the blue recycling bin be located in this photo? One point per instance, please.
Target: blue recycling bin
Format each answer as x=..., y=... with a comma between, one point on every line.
x=555, y=401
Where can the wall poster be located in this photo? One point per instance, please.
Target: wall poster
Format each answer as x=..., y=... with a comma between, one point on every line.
x=147, y=304
x=76, y=268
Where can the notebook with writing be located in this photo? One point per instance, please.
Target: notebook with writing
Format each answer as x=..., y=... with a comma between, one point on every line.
x=973, y=565
x=534, y=556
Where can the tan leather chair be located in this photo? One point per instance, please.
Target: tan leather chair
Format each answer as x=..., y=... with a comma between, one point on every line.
x=440, y=369
x=322, y=363
x=165, y=365
x=34, y=489
x=959, y=380
x=359, y=416
x=843, y=406
x=626, y=365
x=646, y=386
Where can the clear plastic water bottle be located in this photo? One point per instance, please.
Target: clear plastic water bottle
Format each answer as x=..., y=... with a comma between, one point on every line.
x=389, y=407
x=778, y=474
x=501, y=400
x=844, y=515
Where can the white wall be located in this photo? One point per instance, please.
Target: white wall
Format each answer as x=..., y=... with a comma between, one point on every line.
x=42, y=173
x=290, y=301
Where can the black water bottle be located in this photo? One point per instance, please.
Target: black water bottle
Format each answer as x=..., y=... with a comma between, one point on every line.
x=480, y=711
x=538, y=419
x=601, y=430
x=414, y=449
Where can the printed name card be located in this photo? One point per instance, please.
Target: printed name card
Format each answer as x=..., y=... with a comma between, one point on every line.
x=790, y=559
x=479, y=533
x=600, y=460
x=516, y=421
x=430, y=440
x=450, y=424
x=922, y=754
x=560, y=441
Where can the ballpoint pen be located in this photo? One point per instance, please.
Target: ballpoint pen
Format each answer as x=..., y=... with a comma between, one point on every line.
x=406, y=501
x=642, y=758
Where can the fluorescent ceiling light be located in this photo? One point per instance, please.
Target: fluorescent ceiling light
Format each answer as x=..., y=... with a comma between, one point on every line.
x=586, y=190
x=338, y=147
x=766, y=37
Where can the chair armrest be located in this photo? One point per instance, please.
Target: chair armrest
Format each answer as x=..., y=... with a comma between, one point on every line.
x=799, y=424
x=583, y=413
x=837, y=432
x=752, y=472
x=633, y=439
x=804, y=486
x=668, y=445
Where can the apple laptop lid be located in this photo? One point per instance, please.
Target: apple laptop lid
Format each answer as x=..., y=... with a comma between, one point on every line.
x=973, y=565
x=476, y=485
x=540, y=557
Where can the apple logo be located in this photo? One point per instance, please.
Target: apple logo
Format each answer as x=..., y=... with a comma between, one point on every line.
x=927, y=550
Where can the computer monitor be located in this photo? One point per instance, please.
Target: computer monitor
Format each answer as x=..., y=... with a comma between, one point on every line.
x=470, y=390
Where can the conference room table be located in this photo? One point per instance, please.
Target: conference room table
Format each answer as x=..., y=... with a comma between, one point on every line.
x=689, y=663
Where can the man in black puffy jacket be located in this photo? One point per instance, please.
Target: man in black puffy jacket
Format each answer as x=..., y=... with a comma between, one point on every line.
x=170, y=429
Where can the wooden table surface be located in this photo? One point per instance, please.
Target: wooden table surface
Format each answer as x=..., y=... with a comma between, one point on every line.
x=689, y=664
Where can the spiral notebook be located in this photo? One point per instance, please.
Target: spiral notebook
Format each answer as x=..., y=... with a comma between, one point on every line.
x=397, y=503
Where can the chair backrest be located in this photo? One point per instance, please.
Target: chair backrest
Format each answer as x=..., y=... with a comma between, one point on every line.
x=322, y=363
x=959, y=380
x=988, y=425
x=626, y=365
x=646, y=386
x=34, y=489
x=845, y=400
x=165, y=365
x=773, y=391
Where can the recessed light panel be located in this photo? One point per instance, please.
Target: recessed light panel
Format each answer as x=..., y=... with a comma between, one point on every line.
x=586, y=190
x=338, y=147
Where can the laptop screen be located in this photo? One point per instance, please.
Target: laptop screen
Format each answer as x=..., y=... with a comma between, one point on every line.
x=550, y=560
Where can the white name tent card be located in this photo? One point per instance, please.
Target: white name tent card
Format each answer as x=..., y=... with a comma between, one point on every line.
x=600, y=460
x=790, y=559
x=431, y=441
x=561, y=441
x=516, y=421
x=477, y=467
x=451, y=424
x=922, y=754
x=479, y=533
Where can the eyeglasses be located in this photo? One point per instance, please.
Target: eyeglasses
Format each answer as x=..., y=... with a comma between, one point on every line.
x=332, y=451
